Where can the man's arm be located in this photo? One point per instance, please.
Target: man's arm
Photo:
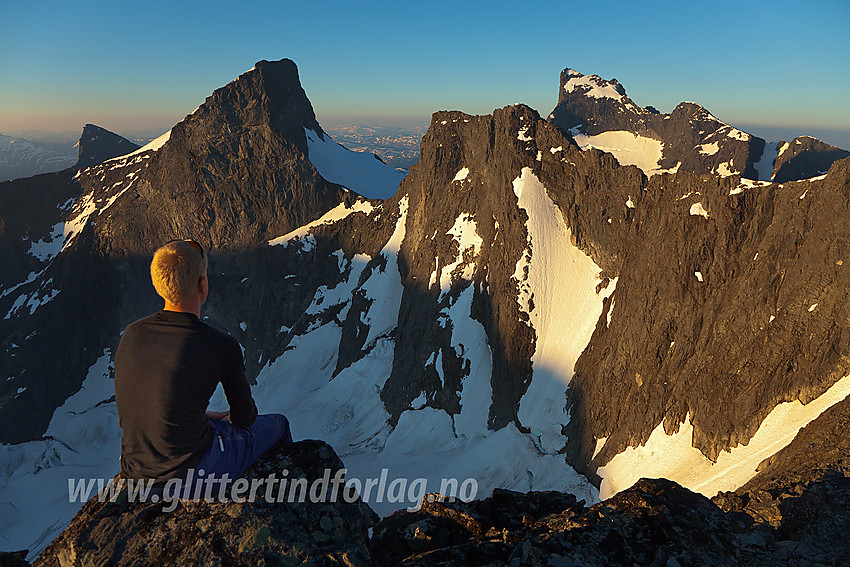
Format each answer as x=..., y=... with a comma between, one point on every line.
x=243, y=410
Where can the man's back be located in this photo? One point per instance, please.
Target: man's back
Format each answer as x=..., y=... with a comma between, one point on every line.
x=166, y=369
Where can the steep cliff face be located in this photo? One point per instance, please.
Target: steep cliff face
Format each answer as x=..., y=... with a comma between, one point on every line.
x=600, y=114
x=730, y=306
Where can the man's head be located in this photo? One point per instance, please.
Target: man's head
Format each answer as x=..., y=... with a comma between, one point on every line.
x=179, y=273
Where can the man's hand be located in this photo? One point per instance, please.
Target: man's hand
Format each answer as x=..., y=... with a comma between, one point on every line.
x=223, y=415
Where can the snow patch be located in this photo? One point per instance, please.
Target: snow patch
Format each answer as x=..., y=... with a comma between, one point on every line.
x=593, y=86
x=698, y=210
x=725, y=169
x=152, y=146
x=736, y=134
x=627, y=147
x=334, y=215
x=745, y=183
x=465, y=236
x=462, y=174
x=709, y=149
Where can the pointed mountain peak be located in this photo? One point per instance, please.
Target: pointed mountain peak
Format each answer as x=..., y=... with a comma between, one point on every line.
x=98, y=144
x=268, y=95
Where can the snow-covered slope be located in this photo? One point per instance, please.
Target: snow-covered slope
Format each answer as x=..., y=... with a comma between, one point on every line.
x=22, y=158
x=360, y=172
x=628, y=148
x=561, y=285
x=674, y=457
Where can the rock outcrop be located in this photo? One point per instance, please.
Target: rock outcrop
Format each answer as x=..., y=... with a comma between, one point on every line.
x=655, y=522
x=803, y=491
x=227, y=532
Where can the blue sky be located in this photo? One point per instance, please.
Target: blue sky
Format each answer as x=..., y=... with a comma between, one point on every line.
x=143, y=66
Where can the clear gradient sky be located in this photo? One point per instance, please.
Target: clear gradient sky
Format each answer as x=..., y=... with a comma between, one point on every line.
x=142, y=66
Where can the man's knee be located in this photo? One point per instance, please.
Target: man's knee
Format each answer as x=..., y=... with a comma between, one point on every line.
x=279, y=423
x=283, y=424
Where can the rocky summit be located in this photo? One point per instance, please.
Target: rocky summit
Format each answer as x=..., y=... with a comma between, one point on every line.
x=97, y=145
x=600, y=114
x=225, y=532
x=525, y=309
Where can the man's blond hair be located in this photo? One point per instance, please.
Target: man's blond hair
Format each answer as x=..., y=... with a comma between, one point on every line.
x=176, y=269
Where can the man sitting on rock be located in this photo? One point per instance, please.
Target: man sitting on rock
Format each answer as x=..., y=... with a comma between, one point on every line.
x=166, y=369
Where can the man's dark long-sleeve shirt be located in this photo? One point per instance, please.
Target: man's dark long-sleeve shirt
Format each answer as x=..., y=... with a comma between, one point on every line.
x=166, y=369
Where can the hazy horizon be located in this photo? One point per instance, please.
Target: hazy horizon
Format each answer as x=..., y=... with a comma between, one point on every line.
x=839, y=138
x=142, y=70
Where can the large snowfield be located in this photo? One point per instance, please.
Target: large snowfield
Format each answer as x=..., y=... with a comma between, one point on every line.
x=628, y=148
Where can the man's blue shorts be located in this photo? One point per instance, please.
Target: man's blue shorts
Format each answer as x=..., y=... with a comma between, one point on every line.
x=234, y=449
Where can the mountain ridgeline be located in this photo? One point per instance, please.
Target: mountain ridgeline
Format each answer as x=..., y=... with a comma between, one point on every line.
x=692, y=138
x=525, y=310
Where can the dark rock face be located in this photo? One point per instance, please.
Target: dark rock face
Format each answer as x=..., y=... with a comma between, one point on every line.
x=98, y=145
x=694, y=140
x=489, y=147
x=225, y=532
x=723, y=350
x=805, y=157
x=656, y=522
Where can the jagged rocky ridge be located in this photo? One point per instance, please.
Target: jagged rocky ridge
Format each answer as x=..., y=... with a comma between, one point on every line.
x=690, y=138
x=435, y=332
